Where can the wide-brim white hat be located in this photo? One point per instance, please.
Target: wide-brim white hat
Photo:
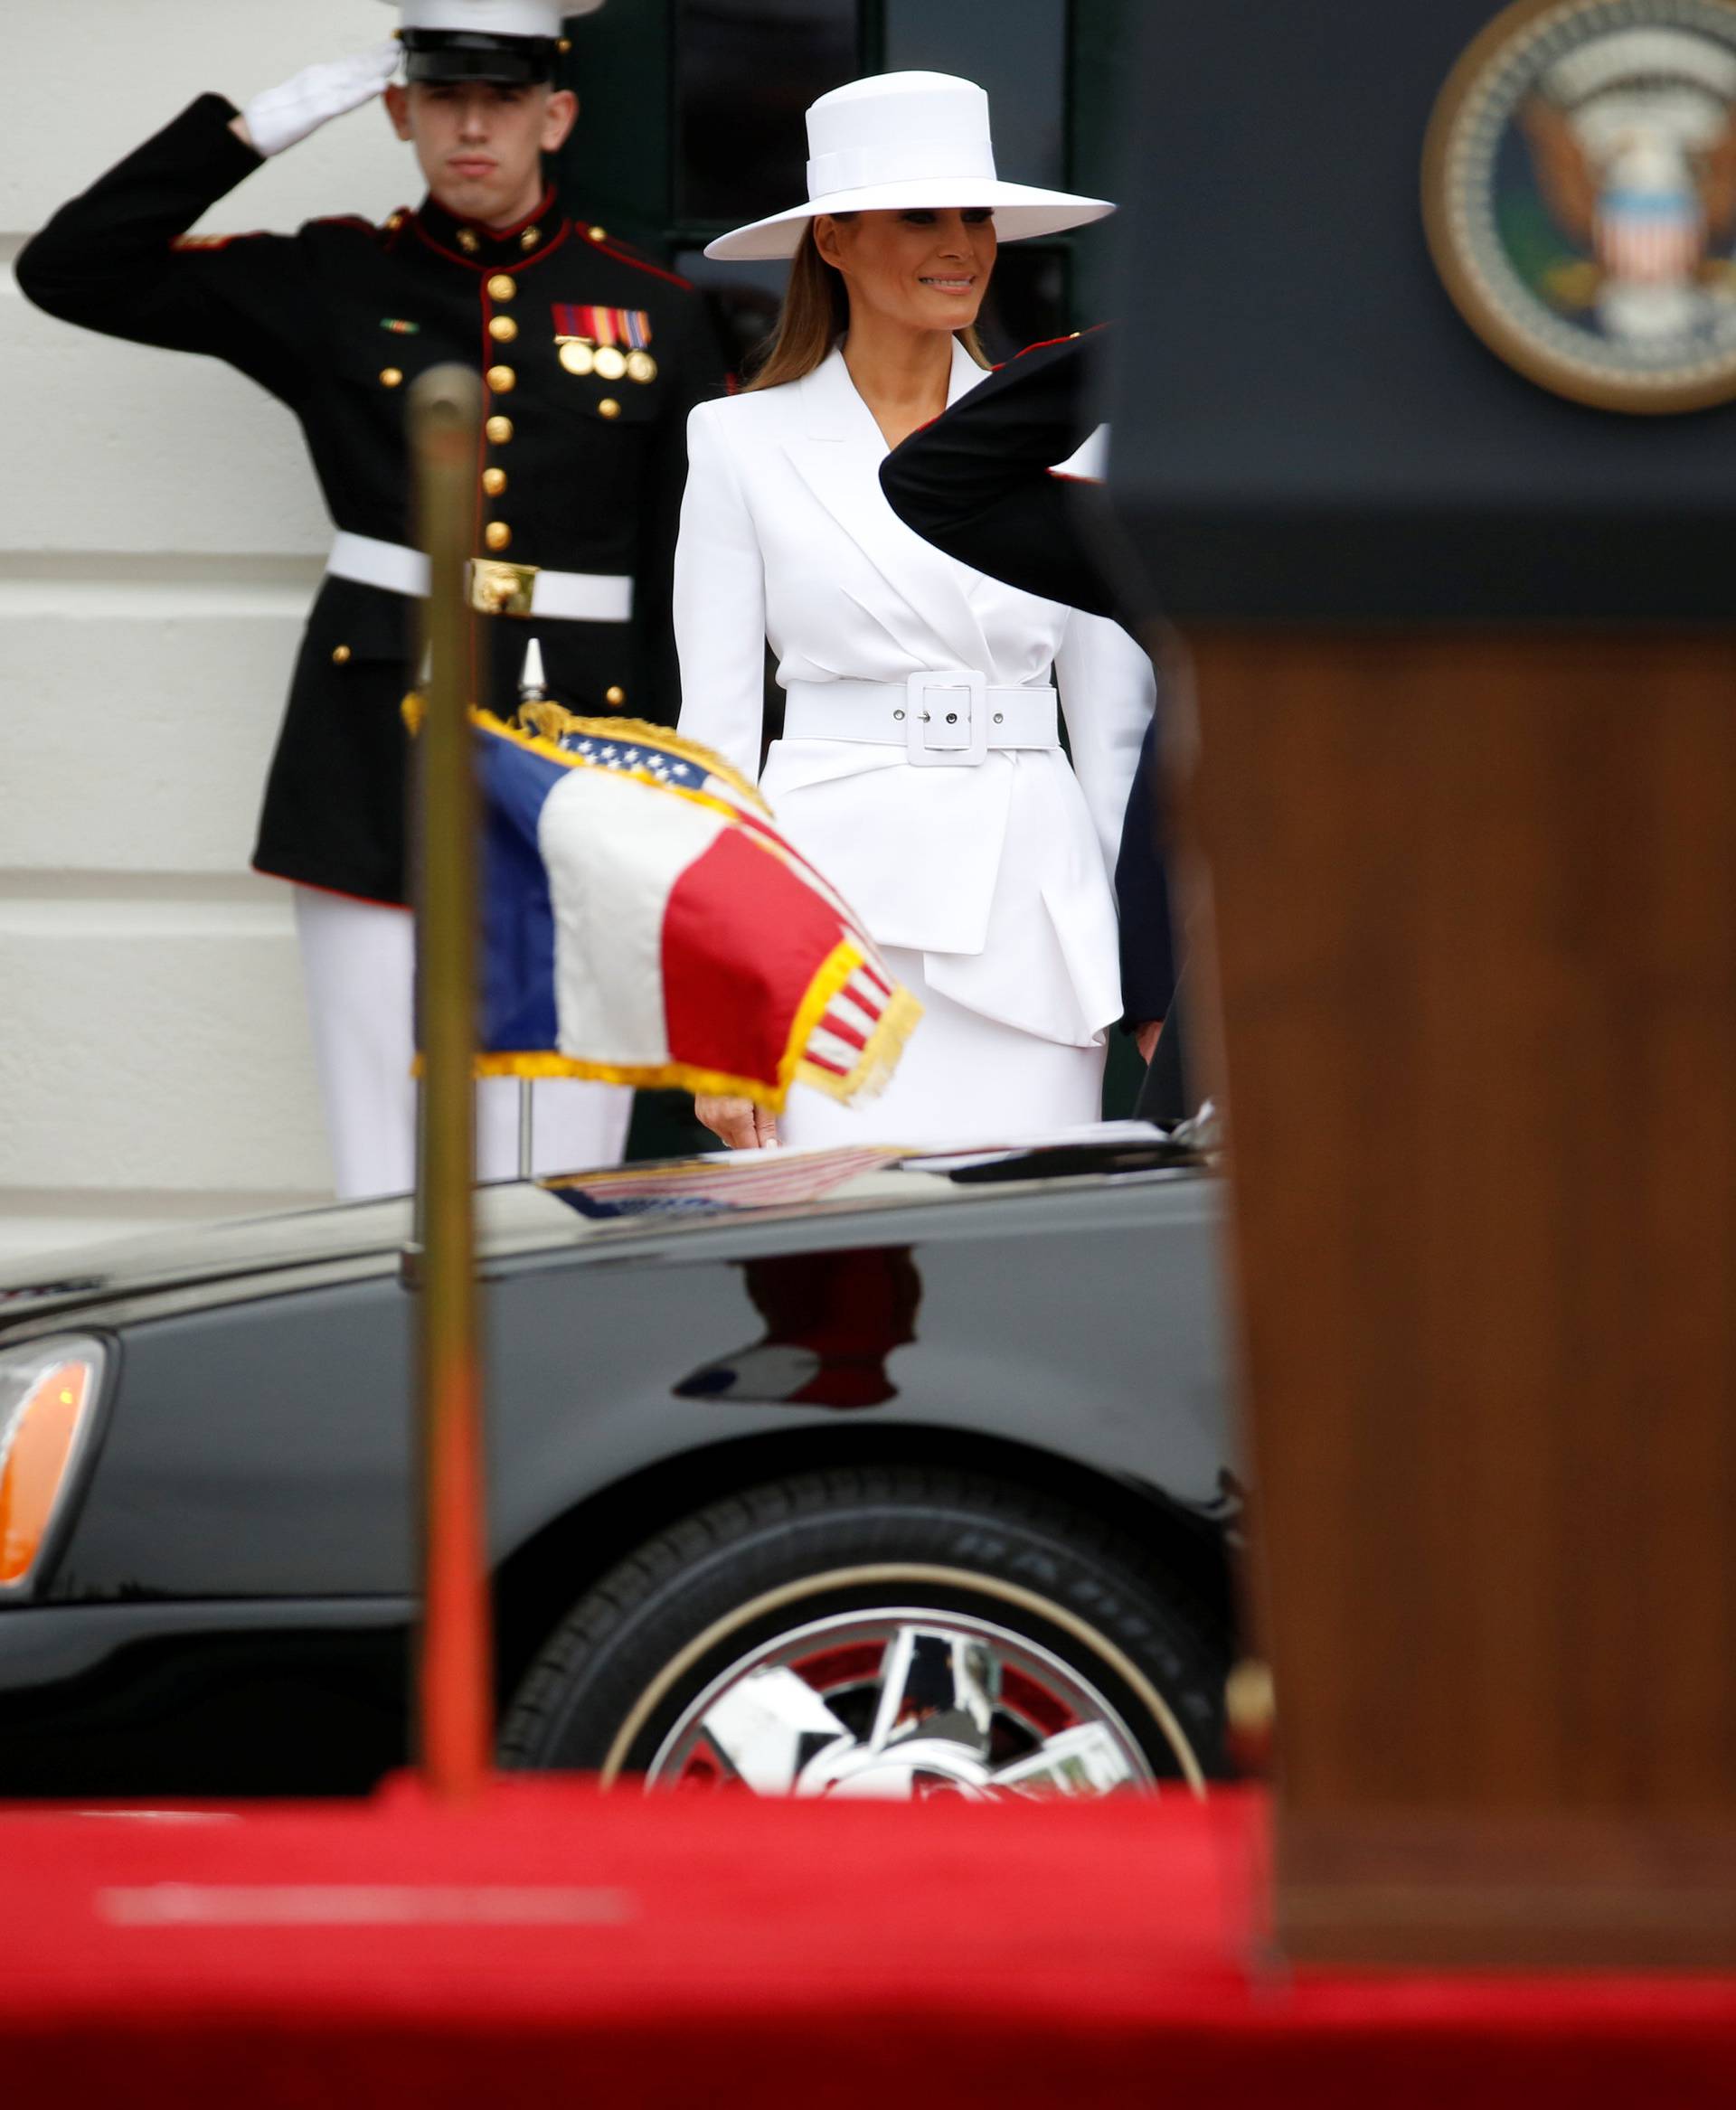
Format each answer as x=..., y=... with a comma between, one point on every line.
x=899, y=140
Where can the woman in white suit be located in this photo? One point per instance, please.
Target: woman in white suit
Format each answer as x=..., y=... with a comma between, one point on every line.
x=920, y=766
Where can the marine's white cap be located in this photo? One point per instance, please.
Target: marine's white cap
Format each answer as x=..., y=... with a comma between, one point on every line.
x=898, y=141
x=500, y=18
x=506, y=42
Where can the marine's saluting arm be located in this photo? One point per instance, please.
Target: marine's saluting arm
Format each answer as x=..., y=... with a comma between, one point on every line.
x=119, y=258
x=281, y=117
x=114, y=259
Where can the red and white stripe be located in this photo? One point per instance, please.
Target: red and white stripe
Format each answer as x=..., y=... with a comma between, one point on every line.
x=852, y=1019
x=1651, y=244
x=755, y=1180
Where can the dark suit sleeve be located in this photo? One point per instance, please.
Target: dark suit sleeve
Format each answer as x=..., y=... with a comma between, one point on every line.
x=1142, y=897
x=111, y=260
x=976, y=482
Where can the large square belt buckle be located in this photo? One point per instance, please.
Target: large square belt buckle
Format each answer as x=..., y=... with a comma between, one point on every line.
x=945, y=720
x=498, y=588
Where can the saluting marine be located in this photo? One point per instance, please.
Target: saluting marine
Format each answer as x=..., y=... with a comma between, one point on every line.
x=590, y=357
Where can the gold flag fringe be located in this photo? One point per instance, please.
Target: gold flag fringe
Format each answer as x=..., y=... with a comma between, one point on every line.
x=542, y=726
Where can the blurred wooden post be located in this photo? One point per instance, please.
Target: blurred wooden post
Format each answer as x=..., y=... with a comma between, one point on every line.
x=456, y=1679
x=1475, y=901
x=1466, y=674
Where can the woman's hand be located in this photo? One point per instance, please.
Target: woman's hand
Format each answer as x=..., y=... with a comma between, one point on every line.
x=737, y=1123
x=1144, y=1037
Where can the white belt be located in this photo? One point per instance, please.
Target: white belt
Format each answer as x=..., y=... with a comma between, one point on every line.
x=945, y=719
x=496, y=587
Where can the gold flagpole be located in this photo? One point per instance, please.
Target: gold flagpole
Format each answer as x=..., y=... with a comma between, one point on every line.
x=456, y=1679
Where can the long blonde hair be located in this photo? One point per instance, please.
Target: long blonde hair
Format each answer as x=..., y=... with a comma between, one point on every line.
x=816, y=314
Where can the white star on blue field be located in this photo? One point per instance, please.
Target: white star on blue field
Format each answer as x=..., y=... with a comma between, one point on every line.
x=666, y=768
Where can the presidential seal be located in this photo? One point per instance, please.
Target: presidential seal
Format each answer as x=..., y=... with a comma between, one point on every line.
x=1579, y=190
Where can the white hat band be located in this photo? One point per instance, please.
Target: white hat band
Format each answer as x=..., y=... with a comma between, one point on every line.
x=904, y=161
x=501, y=18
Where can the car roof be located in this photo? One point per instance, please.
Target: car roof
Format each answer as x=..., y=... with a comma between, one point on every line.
x=729, y=1193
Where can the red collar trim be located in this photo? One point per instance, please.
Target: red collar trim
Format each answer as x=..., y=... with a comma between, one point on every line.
x=440, y=230
x=545, y=208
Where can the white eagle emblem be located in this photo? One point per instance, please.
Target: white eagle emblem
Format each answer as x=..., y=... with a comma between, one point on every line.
x=1633, y=138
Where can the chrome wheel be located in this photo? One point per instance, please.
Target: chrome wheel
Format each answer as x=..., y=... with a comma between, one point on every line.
x=901, y=1704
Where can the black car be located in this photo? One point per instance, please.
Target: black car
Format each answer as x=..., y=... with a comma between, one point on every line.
x=842, y=1474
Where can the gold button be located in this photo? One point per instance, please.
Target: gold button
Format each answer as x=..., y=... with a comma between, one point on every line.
x=499, y=431
x=390, y=377
x=608, y=407
x=497, y=534
x=502, y=380
x=564, y=46
x=502, y=328
x=341, y=656
x=494, y=482
x=615, y=697
x=394, y=223
x=502, y=287
x=469, y=241
x=528, y=241
x=598, y=233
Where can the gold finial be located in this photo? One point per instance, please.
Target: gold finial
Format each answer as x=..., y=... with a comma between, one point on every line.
x=1250, y=1710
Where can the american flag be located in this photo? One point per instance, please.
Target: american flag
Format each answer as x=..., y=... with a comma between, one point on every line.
x=645, y=923
x=763, y=1179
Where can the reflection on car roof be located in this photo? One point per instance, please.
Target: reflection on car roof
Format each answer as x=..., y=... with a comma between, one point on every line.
x=736, y=1182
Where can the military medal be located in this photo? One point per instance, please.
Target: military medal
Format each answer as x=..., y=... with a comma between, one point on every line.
x=608, y=342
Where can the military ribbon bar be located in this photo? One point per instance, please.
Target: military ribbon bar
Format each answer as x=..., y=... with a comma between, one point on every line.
x=630, y=326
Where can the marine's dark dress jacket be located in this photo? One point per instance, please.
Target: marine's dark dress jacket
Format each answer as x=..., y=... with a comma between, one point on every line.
x=583, y=474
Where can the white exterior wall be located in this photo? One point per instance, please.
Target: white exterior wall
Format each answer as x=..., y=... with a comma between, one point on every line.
x=160, y=539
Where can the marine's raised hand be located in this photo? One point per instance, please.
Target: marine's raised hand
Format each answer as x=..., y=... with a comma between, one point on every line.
x=278, y=118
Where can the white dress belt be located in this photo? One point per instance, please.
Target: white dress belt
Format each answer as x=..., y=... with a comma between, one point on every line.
x=942, y=717
x=580, y=597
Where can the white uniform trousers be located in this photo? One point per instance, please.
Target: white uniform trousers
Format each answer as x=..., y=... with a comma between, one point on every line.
x=358, y=960
x=963, y=1079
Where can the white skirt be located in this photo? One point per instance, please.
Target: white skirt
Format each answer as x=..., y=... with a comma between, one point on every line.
x=963, y=1079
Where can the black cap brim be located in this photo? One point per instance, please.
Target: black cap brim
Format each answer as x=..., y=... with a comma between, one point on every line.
x=460, y=55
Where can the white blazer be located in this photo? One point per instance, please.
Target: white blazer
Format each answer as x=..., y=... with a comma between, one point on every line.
x=1000, y=874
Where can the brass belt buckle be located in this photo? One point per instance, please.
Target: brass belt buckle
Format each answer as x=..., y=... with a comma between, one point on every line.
x=498, y=588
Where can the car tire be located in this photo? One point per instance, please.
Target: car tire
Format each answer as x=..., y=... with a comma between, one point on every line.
x=1103, y=1674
